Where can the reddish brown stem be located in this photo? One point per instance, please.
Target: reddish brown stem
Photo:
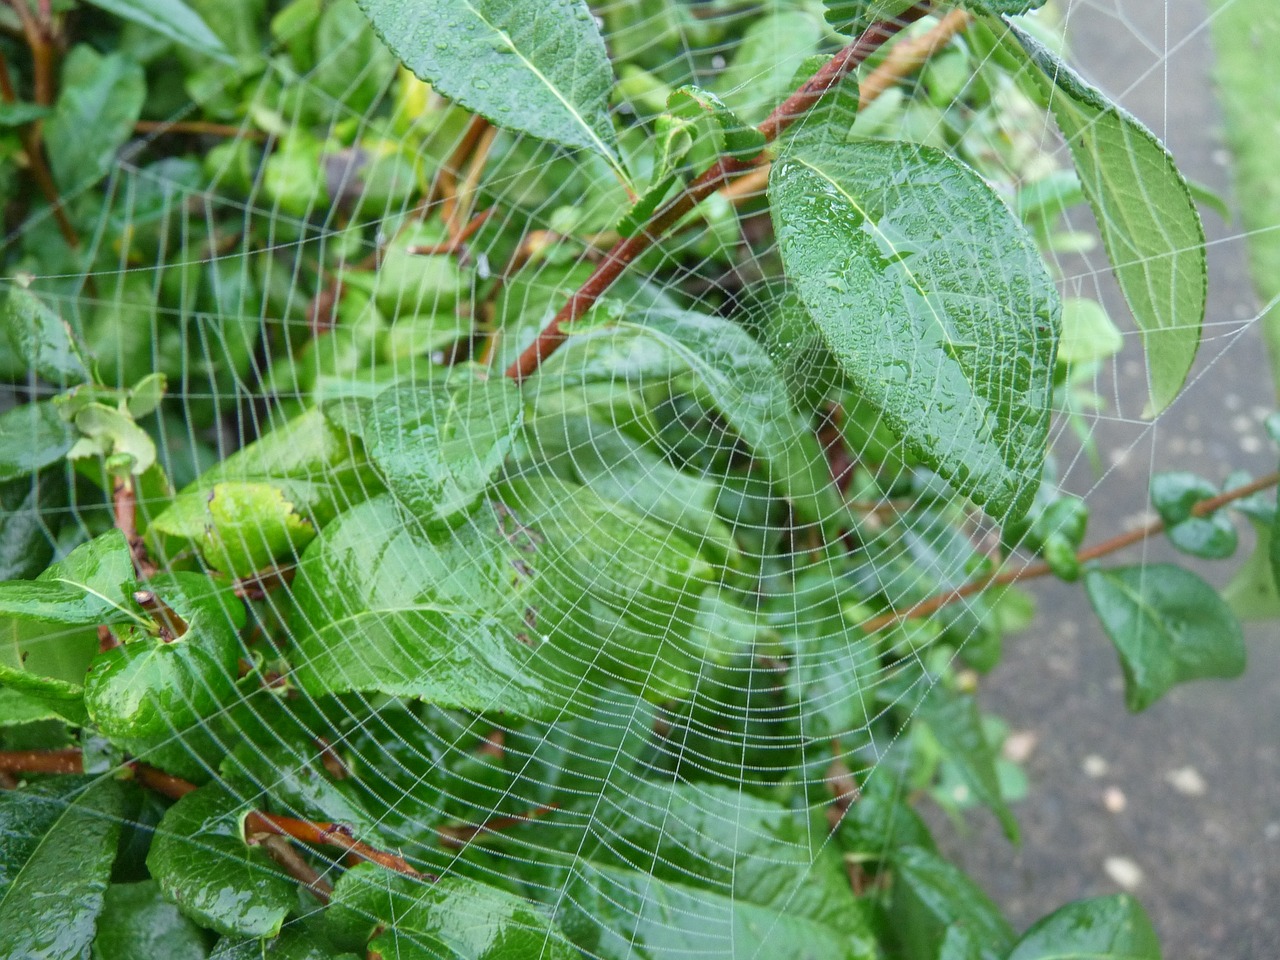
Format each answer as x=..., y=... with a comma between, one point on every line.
x=453, y=244
x=325, y=834
x=932, y=605
x=41, y=761
x=717, y=175
x=286, y=855
x=124, y=499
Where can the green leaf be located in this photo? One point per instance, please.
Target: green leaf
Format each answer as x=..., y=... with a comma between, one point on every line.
x=889, y=245
x=1253, y=593
x=137, y=923
x=29, y=521
x=57, y=844
x=512, y=612
x=149, y=686
x=736, y=377
x=545, y=72
x=738, y=137
x=956, y=723
x=19, y=114
x=995, y=8
x=1168, y=626
x=43, y=340
x=452, y=917
x=622, y=471
x=766, y=60
x=17, y=708
x=91, y=586
x=203, y=864
x=1144, y=208
x=929, y=895
x=1088, y=333
x=708, y=838
x=437, y=447
x=1174, y=495
x=32, y=437
x=1246, y=40
x=294, y=943
x=98, y=104
x=1103, y=928
x=172, y=19
x=264, y=502
x=619, y=914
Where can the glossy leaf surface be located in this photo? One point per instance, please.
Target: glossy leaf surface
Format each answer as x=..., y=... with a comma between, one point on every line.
x=1146, y=213
x=542, y=70
x=1168, y=626
x=932, y=299
x=57, y=844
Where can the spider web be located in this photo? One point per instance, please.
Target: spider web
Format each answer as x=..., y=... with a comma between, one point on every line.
x=231, y=287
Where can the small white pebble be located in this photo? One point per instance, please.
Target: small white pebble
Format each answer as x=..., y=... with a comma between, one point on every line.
x=1241, y=423
x=1123, y=871
x=1250, y=444
x=1094, y=766
x=1114, y=800
x=1187, y=780
x=1221, y=158
x=1231, y=401
x=1271, y=831
x=1019, y=746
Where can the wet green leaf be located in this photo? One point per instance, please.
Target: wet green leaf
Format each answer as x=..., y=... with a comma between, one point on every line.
x=203, y=864
x=57, y=844
x=892, y=249
x=508, y=613
x=929, y=895
x=545, y=72
x=1145, y=211
x=616, y=914
x=956, y=723
x=32, y=437
x=295, y=942
x=43, y=340
x=1104, y=928
x=169, y=18
x=1168, y=626
x=137, y=923
x=90, y=586
x=274, y=493
x=737, y=378
x=452, y=917
x=29, y=521
x=151, y=686
x=99, y=102
x=437, y=447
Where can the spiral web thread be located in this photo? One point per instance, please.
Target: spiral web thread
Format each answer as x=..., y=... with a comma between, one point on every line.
x=602, y=757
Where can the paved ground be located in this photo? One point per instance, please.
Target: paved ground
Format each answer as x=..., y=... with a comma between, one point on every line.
x=1181, y=803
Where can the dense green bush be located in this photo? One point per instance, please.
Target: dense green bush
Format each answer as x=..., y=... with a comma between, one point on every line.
x=325, y=638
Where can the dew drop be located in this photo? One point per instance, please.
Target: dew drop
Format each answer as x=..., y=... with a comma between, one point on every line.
x=480, y=83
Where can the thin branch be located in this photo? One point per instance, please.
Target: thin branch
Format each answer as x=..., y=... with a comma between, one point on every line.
x=41, y=761
x=286, y=855
x=461, y=835
x=466, y=192
x=717, y=175
x=901, y=61
x=199, y=128
x=257, y=824
x=7, y=92
x=325, y=834
x=455, y=242
x=1032, y=571
x=124, y=499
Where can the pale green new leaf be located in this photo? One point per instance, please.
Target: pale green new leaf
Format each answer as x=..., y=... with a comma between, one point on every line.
x=57, y=845
x=1146, y=212
x=538, y=67
x=933, y=300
